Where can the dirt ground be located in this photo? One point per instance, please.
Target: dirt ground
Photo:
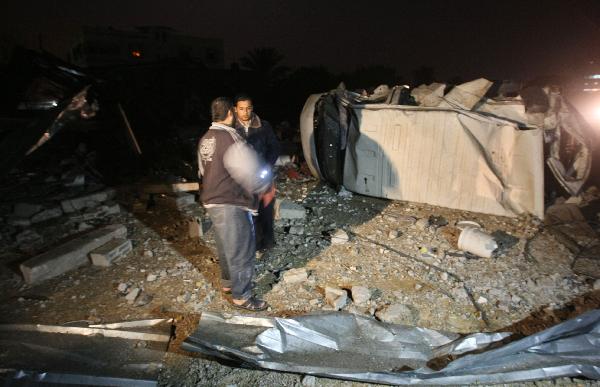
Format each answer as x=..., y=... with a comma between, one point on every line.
x=404, y=253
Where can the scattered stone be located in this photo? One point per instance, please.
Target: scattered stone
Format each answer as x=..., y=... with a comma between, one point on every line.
x=344, y=193
x=437, y=221
x=406, y=220
x=47, y=214
x=132, y=295
x=482, y=300
x=393, y=234
x=183, y=298
x=74, y=181
x=296, y=230
x=294, y=276
x=122, y=287
x=339, y=237
x=444, y=276
x=28, y=237
x=418, y=286
x=309, y=381
x=398, y=314
x=87, y=201
x=285, y=209
x=143, y=299
x=336, y=297
x=111, y=251
x=151, y=277
x=422, y=224
x=148, y=253
x=360, y=294
x=597, y=284
x=83, y=226
x=69, y=255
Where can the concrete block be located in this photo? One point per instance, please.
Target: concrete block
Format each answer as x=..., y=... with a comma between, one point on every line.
x=288, y=210
x=111, y=251
x=336, y=297
x=87, y=201
x=69, y=255
x=360, y=294
x=181, y=200
x=47, y=214
x=26, y=210
x=294, y=276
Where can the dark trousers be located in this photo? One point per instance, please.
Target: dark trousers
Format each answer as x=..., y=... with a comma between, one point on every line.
x=234, y=234
x=263, y=225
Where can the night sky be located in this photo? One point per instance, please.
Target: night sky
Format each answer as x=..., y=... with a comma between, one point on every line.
x=497, y=40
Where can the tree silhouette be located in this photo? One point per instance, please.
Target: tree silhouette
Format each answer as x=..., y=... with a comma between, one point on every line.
x=266, y=62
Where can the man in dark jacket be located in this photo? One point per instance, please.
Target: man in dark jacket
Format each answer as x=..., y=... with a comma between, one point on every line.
x=233, y=181
x=259, y=134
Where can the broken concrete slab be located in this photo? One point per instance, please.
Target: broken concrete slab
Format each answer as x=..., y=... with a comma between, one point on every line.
x=97, y=212
x=87, y=201
x=285, y=209
x=47, y=214
x=111, y=251
x=69, y=255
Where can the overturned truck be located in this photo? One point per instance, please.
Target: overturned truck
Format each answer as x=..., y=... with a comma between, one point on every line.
x=479, y=146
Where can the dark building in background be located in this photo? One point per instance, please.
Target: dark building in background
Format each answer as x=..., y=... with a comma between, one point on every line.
x=106, y=46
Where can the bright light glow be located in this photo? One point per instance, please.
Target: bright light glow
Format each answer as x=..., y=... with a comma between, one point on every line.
x=136, y=53
x=264, y=173
x=596, y=114
x=595, y=76
x=591, y=90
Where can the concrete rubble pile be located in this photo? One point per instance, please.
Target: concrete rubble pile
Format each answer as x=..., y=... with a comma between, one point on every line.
x=393, y=261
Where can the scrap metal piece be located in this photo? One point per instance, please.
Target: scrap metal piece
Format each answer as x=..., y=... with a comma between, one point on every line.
x=358, y=348
x=47, y=354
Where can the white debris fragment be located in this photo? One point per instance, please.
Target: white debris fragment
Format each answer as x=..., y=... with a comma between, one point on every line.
x=360, y=294
x=151, y=277
x=294, y=276
x=336, y=297
x=339, y=237
x=132, y=295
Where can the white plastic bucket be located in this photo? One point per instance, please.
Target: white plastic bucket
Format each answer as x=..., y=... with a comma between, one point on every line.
x=477, y=242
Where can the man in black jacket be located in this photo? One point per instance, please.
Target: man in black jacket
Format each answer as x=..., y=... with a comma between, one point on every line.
x=259, y=134
x=233, y=181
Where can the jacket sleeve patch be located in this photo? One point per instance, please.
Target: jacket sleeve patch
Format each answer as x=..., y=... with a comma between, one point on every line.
x=207, y=148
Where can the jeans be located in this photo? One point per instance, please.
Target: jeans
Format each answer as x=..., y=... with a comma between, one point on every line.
x=234, y=234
